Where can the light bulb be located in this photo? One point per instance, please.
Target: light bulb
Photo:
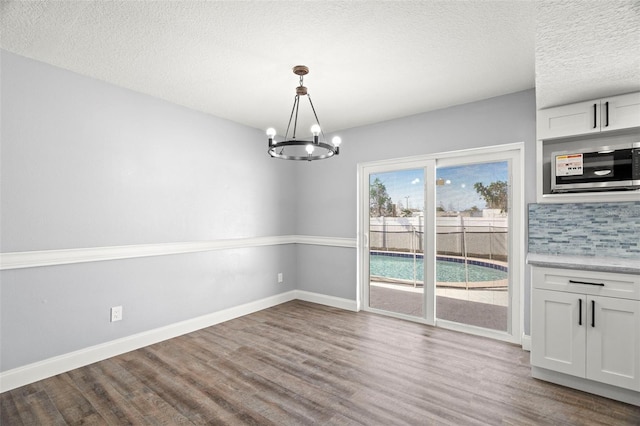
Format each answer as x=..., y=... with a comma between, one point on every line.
x=271, y=132
x=315, y=130
x=309, y=149
x=336, y=141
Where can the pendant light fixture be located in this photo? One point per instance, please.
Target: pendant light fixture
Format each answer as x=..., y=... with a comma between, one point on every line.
x=294, y=149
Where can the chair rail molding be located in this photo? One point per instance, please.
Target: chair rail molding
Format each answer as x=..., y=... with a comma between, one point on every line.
x=32, y=259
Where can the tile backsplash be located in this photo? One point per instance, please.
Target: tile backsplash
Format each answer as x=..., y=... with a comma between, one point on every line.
x=585, y=229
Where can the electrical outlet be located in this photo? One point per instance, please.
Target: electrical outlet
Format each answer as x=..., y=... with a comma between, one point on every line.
x=280, y=277
x=116, y=313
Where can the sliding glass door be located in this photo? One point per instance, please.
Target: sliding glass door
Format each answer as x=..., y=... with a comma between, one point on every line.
x=396, y=228
x=438, y=240
x=472, y=244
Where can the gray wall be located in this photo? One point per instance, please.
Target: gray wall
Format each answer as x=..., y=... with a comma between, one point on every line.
x=331, y=211
x=88, y=164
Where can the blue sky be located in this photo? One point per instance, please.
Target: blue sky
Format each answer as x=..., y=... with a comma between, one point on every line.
x=456, y=194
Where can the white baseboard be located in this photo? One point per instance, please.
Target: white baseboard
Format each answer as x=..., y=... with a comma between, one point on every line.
x=323, y=299
x=30, y=373
x=40, y=370
x=627, y=396
x=526, y=342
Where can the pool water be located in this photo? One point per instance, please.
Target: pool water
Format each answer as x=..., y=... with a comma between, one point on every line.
x=446, y=271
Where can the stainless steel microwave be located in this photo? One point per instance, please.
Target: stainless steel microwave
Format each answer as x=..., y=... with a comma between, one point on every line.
x=596, y=169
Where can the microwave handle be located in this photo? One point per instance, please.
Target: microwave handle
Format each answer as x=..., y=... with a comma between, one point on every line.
x=603, y=172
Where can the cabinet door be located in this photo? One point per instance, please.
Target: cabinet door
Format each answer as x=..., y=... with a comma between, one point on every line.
x=620, y=112
x=569, y=120
x=613, y=341
x=558, y=331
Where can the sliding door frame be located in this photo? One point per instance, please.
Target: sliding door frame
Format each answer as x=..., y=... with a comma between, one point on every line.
x=514, y=152
x=364, y=171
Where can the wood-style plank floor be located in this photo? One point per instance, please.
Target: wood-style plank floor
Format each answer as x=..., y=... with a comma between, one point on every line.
x=300, y=363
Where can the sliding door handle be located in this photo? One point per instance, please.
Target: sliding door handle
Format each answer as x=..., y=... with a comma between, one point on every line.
x=580, y=311
x=593, y=313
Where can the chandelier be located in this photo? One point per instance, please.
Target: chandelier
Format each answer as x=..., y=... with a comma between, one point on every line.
x=294, y=149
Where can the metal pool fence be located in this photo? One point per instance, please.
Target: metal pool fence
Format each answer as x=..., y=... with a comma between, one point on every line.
x=478, y=237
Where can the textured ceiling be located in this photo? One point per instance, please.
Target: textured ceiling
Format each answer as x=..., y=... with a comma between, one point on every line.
x=586, y=50
x=370, y=61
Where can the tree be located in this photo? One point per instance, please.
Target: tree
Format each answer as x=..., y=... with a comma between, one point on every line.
x=407, y=213
x=379, y=199
x=495, y=195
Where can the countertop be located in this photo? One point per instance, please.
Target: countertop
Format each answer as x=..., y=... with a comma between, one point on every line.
x=585, y=263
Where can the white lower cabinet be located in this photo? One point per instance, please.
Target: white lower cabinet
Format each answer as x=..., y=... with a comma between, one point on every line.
x=613, y=341
x=587, y=324
x=558, y=341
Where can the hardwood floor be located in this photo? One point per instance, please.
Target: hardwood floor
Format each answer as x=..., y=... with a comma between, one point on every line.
x=300, y=363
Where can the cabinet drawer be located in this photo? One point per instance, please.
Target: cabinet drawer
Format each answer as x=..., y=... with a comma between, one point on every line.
x=624, y=286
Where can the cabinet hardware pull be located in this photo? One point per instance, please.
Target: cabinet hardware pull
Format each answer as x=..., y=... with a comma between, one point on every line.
x=580, y=312
x=593, y=313
x=595, y=124
x=606, y=124
x=586, y=282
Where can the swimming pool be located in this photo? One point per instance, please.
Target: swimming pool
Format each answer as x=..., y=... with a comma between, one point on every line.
x=448, y=269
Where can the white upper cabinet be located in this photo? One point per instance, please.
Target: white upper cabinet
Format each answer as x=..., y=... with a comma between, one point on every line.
x=599, y=115
x=569, y=120
x=620, y=112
